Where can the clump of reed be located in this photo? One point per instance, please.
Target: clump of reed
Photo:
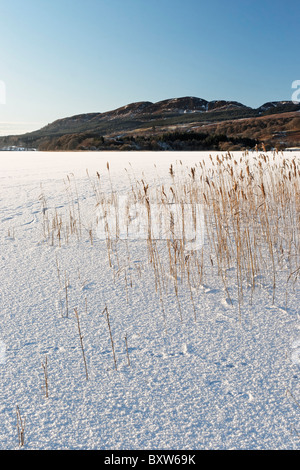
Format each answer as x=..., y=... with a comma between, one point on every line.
x=61, y=225
x=250, y=207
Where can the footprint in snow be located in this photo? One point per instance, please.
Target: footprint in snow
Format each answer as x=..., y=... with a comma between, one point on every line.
x=209, y=290
x=295, y=356
x=88, y=286
x=28, y=223
x=227, y=302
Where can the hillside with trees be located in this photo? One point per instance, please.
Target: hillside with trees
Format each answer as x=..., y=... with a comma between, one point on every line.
x=177, y=124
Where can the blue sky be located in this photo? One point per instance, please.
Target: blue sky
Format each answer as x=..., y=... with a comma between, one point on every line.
x=66, y=57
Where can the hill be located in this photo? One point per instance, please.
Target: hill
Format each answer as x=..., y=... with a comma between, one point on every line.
x=187, y=123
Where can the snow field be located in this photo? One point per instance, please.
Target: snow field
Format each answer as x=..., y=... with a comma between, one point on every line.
x=221, y=372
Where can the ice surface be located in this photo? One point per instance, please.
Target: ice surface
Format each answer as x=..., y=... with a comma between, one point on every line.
x=217, y=382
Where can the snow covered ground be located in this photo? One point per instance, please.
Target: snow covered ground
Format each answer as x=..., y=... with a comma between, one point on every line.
x=218, y=376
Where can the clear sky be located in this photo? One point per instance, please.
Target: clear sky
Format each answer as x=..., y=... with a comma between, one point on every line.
x=64, y=57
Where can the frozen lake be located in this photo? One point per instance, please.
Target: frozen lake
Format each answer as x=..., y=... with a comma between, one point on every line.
x=192, y=356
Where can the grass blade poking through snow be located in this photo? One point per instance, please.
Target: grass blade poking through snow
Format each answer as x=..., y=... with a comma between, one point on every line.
x=127, y=350
x=21, y=428
x=45, y=367
x=110, y=333
x=81, y=343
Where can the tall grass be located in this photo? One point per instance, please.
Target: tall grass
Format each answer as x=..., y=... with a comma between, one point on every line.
x=251, y=216
x=251, y=208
